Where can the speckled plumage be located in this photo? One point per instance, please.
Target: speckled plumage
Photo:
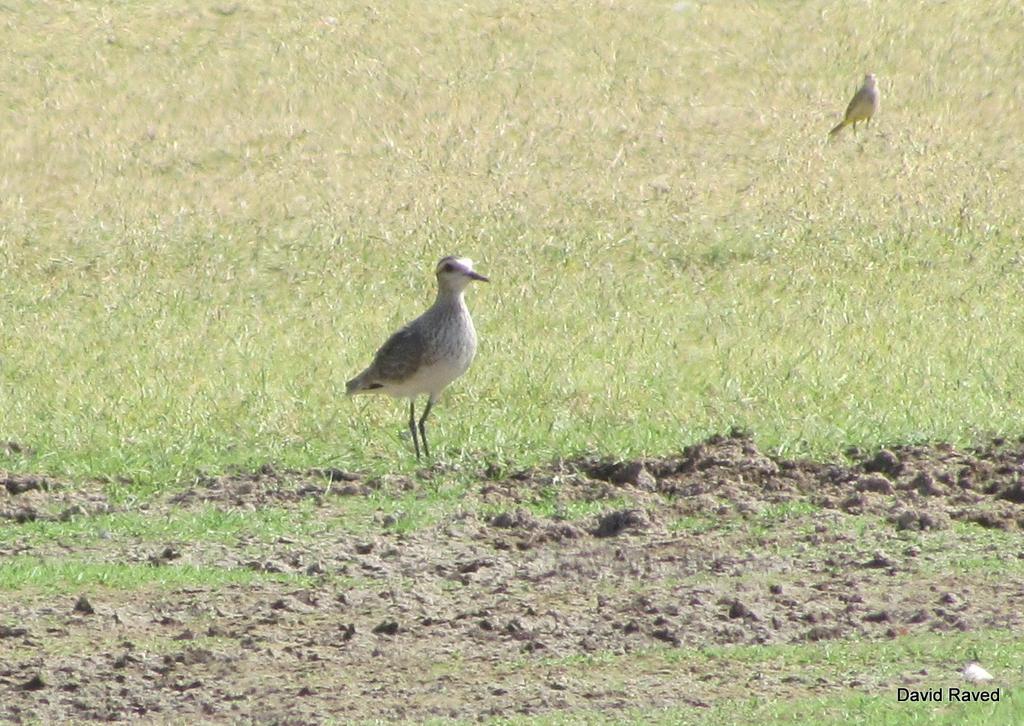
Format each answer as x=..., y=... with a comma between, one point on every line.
x=429, y=353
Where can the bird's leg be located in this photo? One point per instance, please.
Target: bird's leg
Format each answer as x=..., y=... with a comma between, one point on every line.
x=412, y=425
x=423, y=422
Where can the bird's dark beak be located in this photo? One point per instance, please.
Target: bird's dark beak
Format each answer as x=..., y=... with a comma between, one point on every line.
x=472, y=275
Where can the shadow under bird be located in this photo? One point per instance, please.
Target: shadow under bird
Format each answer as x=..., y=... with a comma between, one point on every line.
x=863, y=105
x=428, y=353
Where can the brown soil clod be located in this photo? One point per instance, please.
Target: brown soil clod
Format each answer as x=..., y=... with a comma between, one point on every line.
x=619, y=521
x=387, y=627
x=35, y=683
x=518, y=519
x=914, y=519
x=884, y=462
x=1013, y=493
x=83, y=606
x=335, y=475
x=874, y=483
x=880, y=560
x=21, y=484
x=738, y=610
x=166, y=555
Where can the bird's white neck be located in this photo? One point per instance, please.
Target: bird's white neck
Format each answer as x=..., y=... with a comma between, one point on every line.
x=449, y=296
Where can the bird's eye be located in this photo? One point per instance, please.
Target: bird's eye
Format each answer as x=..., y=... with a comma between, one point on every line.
x=448, y=267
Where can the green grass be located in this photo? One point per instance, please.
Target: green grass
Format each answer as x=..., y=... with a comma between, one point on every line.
x=32, y=574
x=550, y=502
x=847, y=709
x=759, y=525
x=208, y=524
x=208, y=221
x=985, y=553
x=878, y=668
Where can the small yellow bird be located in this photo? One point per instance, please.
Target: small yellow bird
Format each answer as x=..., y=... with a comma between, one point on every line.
x=863, y=105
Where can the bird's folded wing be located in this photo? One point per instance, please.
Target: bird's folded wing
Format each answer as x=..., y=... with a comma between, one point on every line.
x=400, y=356
x=860, y=98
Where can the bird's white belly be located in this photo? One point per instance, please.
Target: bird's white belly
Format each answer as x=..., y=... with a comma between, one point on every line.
x=431, y=378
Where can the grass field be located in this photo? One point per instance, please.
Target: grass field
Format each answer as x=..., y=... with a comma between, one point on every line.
x=210, y=219
x=212, y=214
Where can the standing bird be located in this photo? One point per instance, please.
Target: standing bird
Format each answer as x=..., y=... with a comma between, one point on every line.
x=863, y=105
x=428, y=353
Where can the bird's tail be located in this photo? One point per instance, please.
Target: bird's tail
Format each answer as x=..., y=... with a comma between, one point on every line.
x=839, y=127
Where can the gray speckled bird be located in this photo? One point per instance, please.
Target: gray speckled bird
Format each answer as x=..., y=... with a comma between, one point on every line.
x=428, y=353
x=863, y=105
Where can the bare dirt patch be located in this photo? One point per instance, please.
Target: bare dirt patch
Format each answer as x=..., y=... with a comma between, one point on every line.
x=489, y=611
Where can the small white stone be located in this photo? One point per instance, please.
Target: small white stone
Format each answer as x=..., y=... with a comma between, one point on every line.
x=976, y=674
